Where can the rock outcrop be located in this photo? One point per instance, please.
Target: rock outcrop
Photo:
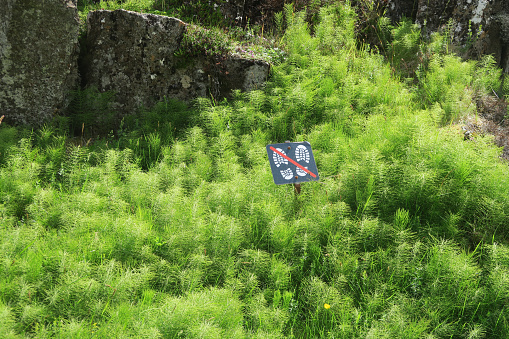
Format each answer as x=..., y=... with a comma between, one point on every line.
x=133, y=55
x=399, y=9
x=482, y=25
x=38, y=58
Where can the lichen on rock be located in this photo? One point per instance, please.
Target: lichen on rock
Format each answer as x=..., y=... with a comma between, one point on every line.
x=482, y=25
x=38, y=58
x=134, y=55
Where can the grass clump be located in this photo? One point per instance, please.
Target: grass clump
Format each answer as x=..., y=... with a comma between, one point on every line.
x=171, y=225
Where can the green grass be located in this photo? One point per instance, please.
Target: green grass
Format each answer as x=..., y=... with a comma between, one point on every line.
x=170, y=226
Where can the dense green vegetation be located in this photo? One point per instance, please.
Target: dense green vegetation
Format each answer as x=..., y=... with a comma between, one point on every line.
x=170, y=226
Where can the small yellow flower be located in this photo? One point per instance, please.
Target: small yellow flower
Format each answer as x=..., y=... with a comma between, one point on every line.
x=327, y=306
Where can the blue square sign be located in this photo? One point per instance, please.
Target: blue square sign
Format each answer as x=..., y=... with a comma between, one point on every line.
x=292, y=163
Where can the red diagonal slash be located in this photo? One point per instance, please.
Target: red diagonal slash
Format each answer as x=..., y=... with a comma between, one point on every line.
x=293, y=162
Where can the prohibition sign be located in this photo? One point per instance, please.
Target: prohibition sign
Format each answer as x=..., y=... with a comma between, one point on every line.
x=292, y=163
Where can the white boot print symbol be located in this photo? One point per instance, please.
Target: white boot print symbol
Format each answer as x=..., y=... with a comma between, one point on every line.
x=302, y=154
x=287, y=173
x=278, y=159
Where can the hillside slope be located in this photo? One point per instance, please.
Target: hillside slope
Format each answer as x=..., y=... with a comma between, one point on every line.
x=171, y=225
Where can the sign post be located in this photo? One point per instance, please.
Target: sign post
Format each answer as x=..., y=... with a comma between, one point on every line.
x=292, y=163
